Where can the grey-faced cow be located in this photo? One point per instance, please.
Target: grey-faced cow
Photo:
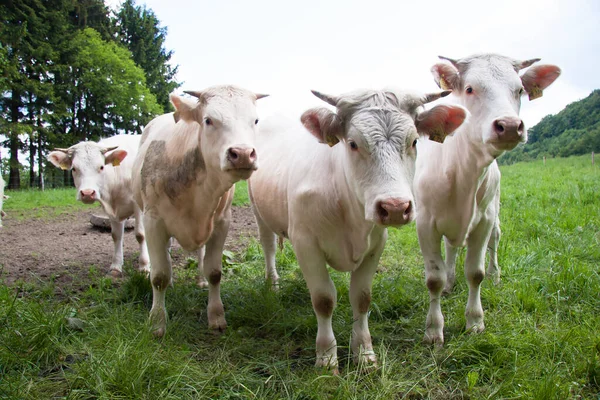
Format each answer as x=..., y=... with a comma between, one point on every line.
x=183, y=180
x=102, y=173
x=334, y=204
x=457, y=183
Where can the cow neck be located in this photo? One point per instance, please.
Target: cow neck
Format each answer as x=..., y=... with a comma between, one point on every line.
x=212, y=189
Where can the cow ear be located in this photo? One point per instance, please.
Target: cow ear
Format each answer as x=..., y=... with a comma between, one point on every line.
x=440, y=121
x=60, y=159
x=184, y=109
x=446, y=76
x=323, y=124
x=115, y=157
x=538, y=78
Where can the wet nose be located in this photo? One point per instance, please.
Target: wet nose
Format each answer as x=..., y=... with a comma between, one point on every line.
x=394, y=211
x=509, y=128
x=88, y=194
x=242, y=157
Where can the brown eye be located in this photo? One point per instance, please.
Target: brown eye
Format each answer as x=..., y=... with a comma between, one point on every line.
x=414, y=143
x=101, y=167
x=256, y=122
x=208, y=121
x=353, y=145
x=469, y=90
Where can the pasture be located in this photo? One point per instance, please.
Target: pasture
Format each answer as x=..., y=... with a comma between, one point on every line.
x=90, y=338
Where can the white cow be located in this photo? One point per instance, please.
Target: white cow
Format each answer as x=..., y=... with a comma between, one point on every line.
x=457, y=183
x=183, y=180
x=2, y=213
x=102, y=173
x=334, y=204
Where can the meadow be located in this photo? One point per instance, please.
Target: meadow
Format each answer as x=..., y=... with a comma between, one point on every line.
x=542, y=337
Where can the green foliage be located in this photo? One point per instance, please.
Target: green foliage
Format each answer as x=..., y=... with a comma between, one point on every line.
x=541, y=339
x=24, y=204
x=573, y=131
x=240, y=197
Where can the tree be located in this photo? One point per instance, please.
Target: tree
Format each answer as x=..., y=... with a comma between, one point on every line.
x=139, y=30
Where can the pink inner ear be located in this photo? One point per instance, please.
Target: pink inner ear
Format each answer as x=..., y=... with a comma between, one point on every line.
x=176, y=101
x=443, y=119
x=456, y=116
x=541, y=76
x=116, y=155
x=446, y=72
x=311, y=122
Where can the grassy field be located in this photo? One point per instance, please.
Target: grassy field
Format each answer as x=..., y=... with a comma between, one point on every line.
x=542, y=338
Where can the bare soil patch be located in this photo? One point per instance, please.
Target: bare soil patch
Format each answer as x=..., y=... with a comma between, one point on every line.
x=64, y=249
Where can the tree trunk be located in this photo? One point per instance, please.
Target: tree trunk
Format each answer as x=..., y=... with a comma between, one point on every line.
x=31, y=161
x=14, y=179
x=40, y=164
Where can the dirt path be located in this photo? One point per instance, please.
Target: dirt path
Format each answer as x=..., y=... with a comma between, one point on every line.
x=65, y=248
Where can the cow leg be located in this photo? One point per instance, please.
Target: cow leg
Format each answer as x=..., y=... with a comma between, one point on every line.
x=212, y=271
x=474, y=272
x=116, y=231
x=202, y=282
x=160, y=273
x=361, y=282
x=324, y=298
x=493, y=270
x=435, y=279
x=451, y=255
x=144, y=260
x=268, y=240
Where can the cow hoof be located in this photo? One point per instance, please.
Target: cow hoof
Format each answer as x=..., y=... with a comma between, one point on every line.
x=367, y=359
x=115, y=273
x=434, y=338
x=328, y=363
x=494, y=277
x=476, y=328
x=202, y=282
x=158, y=319
x=218, y=327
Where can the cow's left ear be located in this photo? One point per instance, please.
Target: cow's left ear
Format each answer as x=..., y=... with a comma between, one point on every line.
x=115, y=157
x=538, y=78
x=323, y=124
x=440, y=121
x=184, y=109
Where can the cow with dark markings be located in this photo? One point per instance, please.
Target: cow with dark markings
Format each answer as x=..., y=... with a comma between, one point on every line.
x=183, y=180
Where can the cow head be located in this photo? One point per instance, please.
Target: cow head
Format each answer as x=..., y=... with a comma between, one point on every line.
x=228, y=125
x=377, y=133
x=87, y=161
x=490, y=87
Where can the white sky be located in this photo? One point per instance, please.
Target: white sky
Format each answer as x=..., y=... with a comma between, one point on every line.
x=287, y=48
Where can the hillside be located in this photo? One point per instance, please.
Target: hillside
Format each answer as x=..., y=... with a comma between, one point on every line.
x=573, y=131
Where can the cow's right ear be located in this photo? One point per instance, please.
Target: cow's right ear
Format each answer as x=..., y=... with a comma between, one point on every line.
x=323, y=124
x=184, y=109
x=60, y=159
x=440, y=121
x=446, y=76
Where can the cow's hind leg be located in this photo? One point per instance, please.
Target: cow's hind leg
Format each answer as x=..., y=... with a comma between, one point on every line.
x=451, y=255
x=493, y=270
x=140, y=236
x=202, y=282
x=212, y=272
x=268, y=240
x=160, y=273
x=116, y=231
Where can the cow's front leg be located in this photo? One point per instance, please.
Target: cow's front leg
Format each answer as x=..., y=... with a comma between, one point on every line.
x=474, y=272
x=160, y=273
x=212, y=272
x=361, y=282
x=116, y=231
x=324, y=298
x=435, y=279
x=140, y=236
x=450, y=263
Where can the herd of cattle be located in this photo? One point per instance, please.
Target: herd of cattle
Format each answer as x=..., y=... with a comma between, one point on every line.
x=380, y=159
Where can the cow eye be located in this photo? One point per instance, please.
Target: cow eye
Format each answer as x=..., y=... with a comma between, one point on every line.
x=256, y=121
x=469, y=90
x=353, y=145
x=208, y=121
x=101, y=167
x=414, y=143
x=521, y=91
x=74, y=169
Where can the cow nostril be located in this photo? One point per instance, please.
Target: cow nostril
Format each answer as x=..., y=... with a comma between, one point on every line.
x=233, y=154
x=499, y=126
x=382, y=212
x=521, y=127
x=253, y=155
x=408, y=209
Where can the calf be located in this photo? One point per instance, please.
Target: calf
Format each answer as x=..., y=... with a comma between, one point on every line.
x=457, y=183
x=102, y=173
x=183, y=180
x=334, y=204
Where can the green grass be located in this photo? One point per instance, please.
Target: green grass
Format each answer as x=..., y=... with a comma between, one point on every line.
x=542, y=338
x=24, y=204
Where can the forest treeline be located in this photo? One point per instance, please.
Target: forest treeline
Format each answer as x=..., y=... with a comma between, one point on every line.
x=573, y=131
x=73, y=70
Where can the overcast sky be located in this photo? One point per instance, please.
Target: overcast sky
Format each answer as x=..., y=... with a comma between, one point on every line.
x=286, y=48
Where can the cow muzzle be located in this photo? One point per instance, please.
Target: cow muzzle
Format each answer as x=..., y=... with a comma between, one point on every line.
x=394, y=211
x=508, y=132
x=87, y=196
x=242, y=160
